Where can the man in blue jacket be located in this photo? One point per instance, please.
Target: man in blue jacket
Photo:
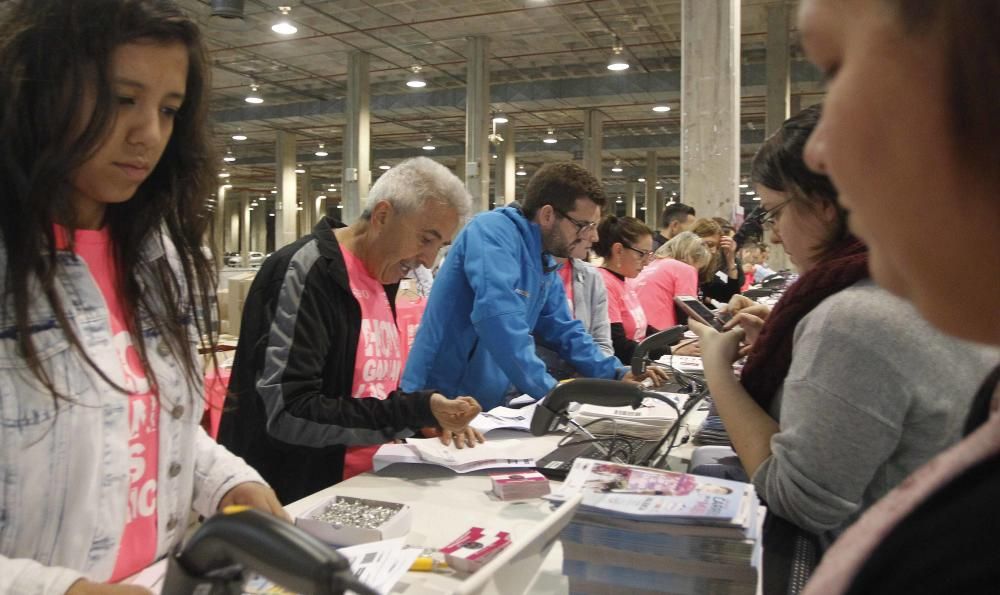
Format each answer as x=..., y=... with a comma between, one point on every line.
x=498, y=286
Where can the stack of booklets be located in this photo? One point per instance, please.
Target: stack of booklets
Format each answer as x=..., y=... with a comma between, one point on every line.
x=650, y=421
x=642, y=530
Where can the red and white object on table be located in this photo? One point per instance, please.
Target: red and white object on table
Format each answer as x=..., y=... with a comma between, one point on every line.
x=520, y=485
x=474, y=548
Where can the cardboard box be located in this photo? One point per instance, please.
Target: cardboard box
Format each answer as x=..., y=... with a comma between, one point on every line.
x=398, y=524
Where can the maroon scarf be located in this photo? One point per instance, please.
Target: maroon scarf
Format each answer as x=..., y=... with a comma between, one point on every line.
x=771, y=355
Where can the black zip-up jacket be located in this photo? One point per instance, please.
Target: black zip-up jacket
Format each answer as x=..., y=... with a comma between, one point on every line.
x=289, y=412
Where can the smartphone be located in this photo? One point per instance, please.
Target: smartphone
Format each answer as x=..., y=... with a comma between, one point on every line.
x=697, y=310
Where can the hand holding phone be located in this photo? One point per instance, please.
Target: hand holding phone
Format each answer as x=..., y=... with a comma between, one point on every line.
x=697, y=310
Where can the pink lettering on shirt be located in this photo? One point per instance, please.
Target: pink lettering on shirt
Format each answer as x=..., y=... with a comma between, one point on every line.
x=137, y=548
x=379, y=360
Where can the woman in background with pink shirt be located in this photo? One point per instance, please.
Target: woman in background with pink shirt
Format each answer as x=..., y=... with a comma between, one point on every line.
x=673, y=272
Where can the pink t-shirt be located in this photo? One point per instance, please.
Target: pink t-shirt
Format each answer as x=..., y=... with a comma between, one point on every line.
x=379, y=361
x=138, y=542
x=566, y=274
x=657, y=285
x=624, y=306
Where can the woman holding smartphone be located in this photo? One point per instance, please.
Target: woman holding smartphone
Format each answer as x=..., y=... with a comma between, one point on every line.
x=841, y=395
x=105, y=168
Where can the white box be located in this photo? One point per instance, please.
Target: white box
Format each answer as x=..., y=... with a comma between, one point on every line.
x=398, y=524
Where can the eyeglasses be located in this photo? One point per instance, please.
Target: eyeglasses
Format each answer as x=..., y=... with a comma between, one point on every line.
x=645, y=254
x=770, y=216
x=582, y=227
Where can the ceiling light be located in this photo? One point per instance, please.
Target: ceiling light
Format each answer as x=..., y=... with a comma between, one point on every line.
x=332, y=190
x=658, y=187
x=340, y=206
x=494, y=155
x=640, y=179
x=415, y=80
x=223, y=174
x=299, y=169
x=750, y=193
x=270, y=214
x=321, y=152
x=283, y=26
x=227, y=186
x=274, y=192
x=550, y=138
x=617, y=167
x=254, y=97
x=298, y=208
x=520, y=170
x=617, y=61
x=744, y=185
x=642, y=208
x=661, y=108
x=229, y=158
x=428, y=146
x=500, y=118
x=384, y=166
x=239, y=136
x=619, y=201
x=253, y=204
x=756, y=198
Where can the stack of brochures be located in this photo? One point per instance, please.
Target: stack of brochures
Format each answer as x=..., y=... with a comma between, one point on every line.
x=642, y=530
x=649, y=422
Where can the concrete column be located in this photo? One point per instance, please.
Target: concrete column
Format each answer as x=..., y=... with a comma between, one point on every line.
x=593, y=137
x=287, y=196
x=357, y=178
x=710, y=105
x=651, y=214
x=630, y=199
x=477, y=123
x=506, y=182
x=778, y=80
x=245, y=213
x=258, y=225
x=305, y=197
x=219, y=225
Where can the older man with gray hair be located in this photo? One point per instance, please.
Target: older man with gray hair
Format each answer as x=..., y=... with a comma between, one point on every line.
x=318, y=362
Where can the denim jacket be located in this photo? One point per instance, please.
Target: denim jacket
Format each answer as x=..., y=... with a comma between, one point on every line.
x=64, y=465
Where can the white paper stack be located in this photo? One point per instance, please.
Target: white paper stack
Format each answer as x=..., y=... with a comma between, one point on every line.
x=649, y=422
x=519, y=485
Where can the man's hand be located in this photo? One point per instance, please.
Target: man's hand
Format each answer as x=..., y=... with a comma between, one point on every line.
x=658, y=376
x=454, y=415
x=255, y=495
x=85, y=587
x=742, y=304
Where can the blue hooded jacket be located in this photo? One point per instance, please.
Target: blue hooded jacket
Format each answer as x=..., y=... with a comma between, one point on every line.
x=495, y=289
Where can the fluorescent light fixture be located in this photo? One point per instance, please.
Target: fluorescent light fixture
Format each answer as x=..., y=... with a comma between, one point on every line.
x=254, y=97
x=661, y=108
x=283, y=26
x=415, y=80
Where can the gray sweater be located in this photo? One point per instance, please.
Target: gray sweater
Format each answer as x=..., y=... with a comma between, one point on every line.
x=873, y=392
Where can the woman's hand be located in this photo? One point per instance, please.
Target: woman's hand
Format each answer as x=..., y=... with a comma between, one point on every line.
x=255, y=495
x=454, y=415
x=691, y=347
x=750, y=324
x=740, y=303
x=717, y=348
x=728, y=247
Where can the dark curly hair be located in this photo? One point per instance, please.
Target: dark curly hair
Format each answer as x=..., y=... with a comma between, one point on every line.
x=559, y=185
